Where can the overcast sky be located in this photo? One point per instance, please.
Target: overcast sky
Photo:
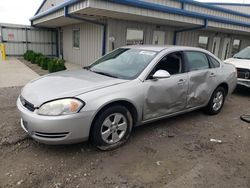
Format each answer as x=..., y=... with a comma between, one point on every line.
x=19, y=11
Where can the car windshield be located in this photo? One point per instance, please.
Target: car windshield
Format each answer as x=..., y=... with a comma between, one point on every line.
x=243, y=54
x=124, y=63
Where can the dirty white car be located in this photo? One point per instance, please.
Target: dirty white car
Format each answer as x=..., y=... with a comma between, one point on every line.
x=128, y=87
x=241, y=61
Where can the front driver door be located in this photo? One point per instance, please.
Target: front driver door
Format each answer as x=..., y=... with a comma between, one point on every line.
x=166, y=95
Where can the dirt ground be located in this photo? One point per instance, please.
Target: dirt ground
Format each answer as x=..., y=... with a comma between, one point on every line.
x=172, y=153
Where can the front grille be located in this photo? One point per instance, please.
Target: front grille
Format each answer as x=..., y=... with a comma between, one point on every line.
x=243, y=73
x=27, y=104
x=51, y=135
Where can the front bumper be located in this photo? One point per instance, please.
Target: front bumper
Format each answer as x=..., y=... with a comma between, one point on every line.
x=243, y=82
x=65, y=129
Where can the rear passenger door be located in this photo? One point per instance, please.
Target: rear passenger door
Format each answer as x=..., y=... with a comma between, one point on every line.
x=202, y=78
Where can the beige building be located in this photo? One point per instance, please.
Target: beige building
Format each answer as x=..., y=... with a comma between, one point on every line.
x=88, y=29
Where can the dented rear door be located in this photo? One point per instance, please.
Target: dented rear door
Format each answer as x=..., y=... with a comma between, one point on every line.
x=202, y=79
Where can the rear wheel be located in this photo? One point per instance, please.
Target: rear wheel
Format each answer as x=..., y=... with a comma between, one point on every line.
x=216, y=102
x=112, y=128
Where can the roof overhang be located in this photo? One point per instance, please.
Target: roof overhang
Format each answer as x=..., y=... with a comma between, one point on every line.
x=135, y=10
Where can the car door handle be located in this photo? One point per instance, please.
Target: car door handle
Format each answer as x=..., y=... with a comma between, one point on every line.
x=181, y=81
x=212, y=75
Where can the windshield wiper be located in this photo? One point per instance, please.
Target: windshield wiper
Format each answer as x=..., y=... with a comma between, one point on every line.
x=104, y=73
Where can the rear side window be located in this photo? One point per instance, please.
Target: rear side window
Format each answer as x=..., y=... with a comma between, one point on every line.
x=197, y=61
x=214, y=62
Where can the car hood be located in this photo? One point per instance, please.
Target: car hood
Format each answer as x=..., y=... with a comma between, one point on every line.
x=239, y=63
x=65, y=84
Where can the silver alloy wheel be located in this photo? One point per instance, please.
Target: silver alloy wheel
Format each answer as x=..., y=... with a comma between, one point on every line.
x=218, y=101
x=114, y=128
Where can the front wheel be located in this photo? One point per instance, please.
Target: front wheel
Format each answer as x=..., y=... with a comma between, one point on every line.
x=111, y=128
x=216, y=102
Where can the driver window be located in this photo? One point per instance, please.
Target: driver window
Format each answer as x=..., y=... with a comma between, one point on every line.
x=171, y=63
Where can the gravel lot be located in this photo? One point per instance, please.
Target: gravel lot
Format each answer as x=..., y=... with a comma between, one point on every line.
x=176, y=152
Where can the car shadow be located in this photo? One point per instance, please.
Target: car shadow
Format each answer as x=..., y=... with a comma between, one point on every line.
x=144, y=130
x=82, y=146
x=139, y=131
x=168, y=122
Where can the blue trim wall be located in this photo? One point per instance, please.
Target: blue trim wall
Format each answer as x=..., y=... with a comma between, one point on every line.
x=163, y=8
x=167, y=9
x=54, y=9
x=208, y=5
x=204, y=26
x=212, y=7
x=44, y=1
x=233, y=4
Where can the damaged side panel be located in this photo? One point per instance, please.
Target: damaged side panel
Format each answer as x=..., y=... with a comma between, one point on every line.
x=201, y=85
x=165, y=96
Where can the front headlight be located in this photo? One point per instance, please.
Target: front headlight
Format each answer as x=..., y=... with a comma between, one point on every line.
x=61, y=107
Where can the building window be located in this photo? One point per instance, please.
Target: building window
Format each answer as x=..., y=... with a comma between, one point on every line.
x=203, y=42
x=134, y=36
x=236, y=46
x=76, y=38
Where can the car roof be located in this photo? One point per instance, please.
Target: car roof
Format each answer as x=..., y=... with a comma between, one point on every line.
x=159, y=48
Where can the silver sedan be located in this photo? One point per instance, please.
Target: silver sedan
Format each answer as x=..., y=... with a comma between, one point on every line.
x=128, y=87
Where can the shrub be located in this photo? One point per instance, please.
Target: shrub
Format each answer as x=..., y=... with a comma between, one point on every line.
x=45, y=63
x=37, y=59
x=28, y=55
x=33, y=57
x=51, y=64
x=40, y=60
x=60, y=65
x=56, y=65
x=25, y=55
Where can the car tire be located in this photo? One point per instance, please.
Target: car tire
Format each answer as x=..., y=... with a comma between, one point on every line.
x=111, y=128
x=216, y=101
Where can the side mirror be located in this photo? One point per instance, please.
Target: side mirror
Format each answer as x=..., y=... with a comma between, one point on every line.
x=161, y=74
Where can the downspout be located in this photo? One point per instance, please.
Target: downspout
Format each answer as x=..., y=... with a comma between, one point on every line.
x=204, y=26
x=67, y=15
x=57, y=44
x=182, y=5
